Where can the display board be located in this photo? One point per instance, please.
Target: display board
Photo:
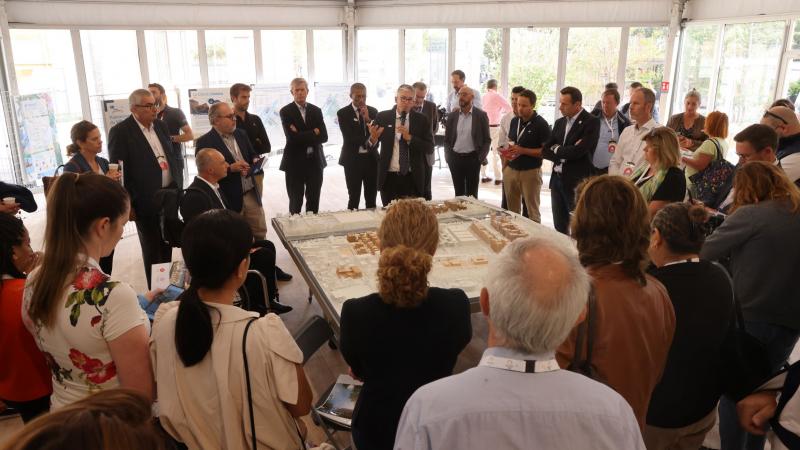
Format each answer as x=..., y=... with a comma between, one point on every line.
x=266, y=102
x=337, y=252
x=115, y=111
x=200, y=100
x=38, y=135
x=331, y=98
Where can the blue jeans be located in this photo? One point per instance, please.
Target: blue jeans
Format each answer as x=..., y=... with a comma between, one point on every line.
x=779, y=341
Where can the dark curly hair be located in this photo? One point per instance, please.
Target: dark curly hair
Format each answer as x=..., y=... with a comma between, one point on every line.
x=611, y=225
x=682, y=226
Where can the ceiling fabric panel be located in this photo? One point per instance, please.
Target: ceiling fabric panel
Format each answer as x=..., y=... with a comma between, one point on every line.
x=726, y=9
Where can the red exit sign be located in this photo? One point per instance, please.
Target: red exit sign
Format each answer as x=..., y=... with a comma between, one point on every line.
x=665, y=86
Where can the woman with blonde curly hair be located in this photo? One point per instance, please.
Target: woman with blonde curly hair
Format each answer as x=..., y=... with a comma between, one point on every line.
x=405, y=335
x=633, y=320
x=762, y=238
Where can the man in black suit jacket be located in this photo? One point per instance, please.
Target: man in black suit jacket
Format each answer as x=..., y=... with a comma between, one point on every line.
x=405, y=138
x=204, y=194
x=360, y=161
x=142, y=145
x=465, y=148
x=570, y=147
x=429, y=110
x=239, y=186
x=303, y=158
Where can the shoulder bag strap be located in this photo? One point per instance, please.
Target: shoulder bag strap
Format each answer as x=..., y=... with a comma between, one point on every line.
x=249, y=389
x=737, y=307
x=719, y=150
x=591, y=318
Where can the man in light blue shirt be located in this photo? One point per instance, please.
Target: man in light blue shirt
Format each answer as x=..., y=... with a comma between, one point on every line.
x=612, y=122
x=518, y=398
x=467, y=139
x=457, y=79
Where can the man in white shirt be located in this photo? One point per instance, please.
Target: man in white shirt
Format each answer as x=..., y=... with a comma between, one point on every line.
x=457, y=79
x=518, y=397
x=495, y=107
x=785, y=123
x=629, y=153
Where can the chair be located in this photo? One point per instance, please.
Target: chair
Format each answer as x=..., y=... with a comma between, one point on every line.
x=243, y=299
x=310, y=337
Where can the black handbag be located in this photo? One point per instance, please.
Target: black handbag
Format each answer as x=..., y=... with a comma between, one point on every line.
x=744, y=359
x=709, y=182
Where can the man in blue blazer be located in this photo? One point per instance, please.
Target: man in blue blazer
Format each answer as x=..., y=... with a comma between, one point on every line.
x=303, y=158
x=142, y=145
x=239, y=187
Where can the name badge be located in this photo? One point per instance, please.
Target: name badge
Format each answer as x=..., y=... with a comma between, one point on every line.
x=612, y=146
x=518, y=365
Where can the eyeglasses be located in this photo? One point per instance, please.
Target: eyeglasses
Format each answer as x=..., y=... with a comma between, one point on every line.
x=229, y=116
x=406, y=99
x=775, y=116
x=148, y=106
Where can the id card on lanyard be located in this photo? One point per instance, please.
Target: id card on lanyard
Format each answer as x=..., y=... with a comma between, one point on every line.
x=520, y=365
x=612, y=141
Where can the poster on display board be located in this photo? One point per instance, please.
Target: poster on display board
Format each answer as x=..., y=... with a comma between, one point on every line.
x=115, y=111
x=331, y=97
x=266, y=102
x=38, y=135
x=200, y=100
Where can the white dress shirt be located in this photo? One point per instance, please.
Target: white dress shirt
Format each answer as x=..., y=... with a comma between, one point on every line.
x=309, y=150
x=158, y=150
x=394, y=164
x=215, y=188
x=505, y=126
x=629, y=154
x=487, y=408
x=230, y=141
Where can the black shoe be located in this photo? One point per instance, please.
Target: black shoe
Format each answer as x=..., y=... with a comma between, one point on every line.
x=280, y=275
x=485, y=180
x=279, y=308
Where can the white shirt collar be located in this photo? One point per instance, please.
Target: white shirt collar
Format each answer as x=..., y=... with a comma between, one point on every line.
x=649, y=125
x=302, y=108
x=460, y=111
x=215, y=186
x=142, y=127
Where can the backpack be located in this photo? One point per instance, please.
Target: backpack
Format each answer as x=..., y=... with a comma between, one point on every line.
x=170, y=221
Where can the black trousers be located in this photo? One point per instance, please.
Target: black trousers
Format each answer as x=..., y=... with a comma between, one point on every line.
x=362, y=171
x=154, y=250
x=30, y=409
x=398, y=186
x=596, y=171
x=466, y=173
x=428, y=176
x=304, y=181
x=563, y=201
x=262, y=260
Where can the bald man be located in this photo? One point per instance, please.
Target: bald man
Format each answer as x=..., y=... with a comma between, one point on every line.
x=466, y=143
x=784, y=121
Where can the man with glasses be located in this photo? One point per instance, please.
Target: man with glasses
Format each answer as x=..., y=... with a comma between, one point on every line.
x=784, y=121
x=754, y=143
x=239, y=187
x=428, y=109
x=141, y=145
x=404, y=136
x=174, y=118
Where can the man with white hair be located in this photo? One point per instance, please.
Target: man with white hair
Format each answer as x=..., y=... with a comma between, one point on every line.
x=518, y=397
x=142, y=147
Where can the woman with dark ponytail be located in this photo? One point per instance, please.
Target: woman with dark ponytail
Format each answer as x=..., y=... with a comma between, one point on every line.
x=24, y=377
x=197, y=348
x=87, y=143
x=683, y=406
x=91, y=329
x=405, y=335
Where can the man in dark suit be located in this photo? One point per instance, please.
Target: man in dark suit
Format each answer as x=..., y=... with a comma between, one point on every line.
x=571, y=147
x=360, y=161
x=205, y=194
x=303, y=158
x=142, y=146
x=466, y=143
x=405, y=138
x=428, y=109
x=239, y=186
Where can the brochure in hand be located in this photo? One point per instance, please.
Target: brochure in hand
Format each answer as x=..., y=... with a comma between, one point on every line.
x=339, y=405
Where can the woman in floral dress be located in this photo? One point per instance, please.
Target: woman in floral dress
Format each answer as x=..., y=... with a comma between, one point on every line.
x=92, y=331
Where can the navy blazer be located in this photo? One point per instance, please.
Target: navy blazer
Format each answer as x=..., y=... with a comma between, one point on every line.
x=430, y=111
x=294, y=152
x=354, y=134
x=421, y=144
x=141, y=172
x=78, y=164
x=231, y=186
x=481, y=139
x=577, y=156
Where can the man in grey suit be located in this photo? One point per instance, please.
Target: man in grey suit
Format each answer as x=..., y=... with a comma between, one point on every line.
x=428, y=109
x=466, y=143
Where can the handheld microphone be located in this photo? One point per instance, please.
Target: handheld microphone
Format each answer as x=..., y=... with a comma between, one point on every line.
x=403, y=118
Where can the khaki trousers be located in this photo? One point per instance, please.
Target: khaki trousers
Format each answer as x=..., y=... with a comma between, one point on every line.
x=523, y=184
x=493, y=156
x=253, y=213
x=689, y=437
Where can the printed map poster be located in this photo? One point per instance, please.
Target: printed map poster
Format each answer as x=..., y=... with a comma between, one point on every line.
x=266, y=102
x=200, y=100
x=38, y=136
x=115, y=111
x=331, y=98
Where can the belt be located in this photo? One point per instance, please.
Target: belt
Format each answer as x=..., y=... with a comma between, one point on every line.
x=465, y=155
x=494, y=126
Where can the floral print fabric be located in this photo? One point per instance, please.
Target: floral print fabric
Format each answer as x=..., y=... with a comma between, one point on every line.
x=94, y=311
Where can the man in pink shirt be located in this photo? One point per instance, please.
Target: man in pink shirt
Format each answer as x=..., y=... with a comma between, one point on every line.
x=495, y=106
